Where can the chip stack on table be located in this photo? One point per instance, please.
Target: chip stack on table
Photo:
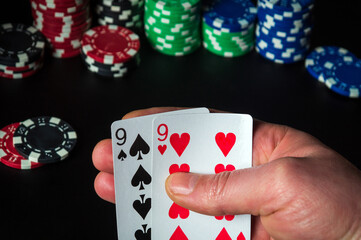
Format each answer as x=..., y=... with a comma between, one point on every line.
x=63, y=22
x=36, y=142
x=172, y=27
x=110, y=50
x=284, y=29
x=126, y=13
x=228, y=27
x=337, y=68
x=21, y=50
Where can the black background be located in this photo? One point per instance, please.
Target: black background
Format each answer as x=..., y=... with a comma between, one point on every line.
x=58, y=201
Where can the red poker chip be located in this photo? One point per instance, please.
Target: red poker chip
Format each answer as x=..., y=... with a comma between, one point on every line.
x=12, y=72
x=58, y=10
x=21, y=75
x=63, y=30
x=65, y=53
x=61, y=17
x=8, y=154
x=110, y=44
x=68, y=21
x=57, y=34
x=61, y=3
x=62, y=39
x=5, y=68
x=73, y=44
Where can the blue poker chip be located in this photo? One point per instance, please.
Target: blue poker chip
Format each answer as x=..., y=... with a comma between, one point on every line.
x=278, y=42
x=285, y=56
x=287, y=5
x=285, y=13
x=322, y=59
x=278, y=21
x=284, y=28
x=343, y=76
x=234, y=15
x=285, y=33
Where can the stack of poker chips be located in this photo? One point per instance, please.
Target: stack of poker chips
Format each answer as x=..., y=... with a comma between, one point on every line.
x=337, y=68
x=21, y=50
x=228, y=27
x=110, y=50
x=284, y=29
x=172, y=27
x=35, y=142
x=125, y=13
x=63, y=22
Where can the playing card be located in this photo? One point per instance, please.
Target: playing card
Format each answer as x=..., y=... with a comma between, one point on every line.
x=200, y=143
x=132, y=158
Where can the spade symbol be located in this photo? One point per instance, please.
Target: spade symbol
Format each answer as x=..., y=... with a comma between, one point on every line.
x=122, y=155
x=141, y=234
x=139, y=146
x=141, y=177
x=142, y=207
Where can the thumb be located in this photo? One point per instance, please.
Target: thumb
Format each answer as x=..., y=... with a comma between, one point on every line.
x=246, y=191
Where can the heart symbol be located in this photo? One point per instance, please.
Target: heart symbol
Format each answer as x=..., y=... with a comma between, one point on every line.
x=227, y=217
x=220, y=168
x=241, y=237
x=178, y=235
x=179, y=143
x=225, y=143
x=223, y=235
x=162, y=148
x=175, y=168
x=175, y=210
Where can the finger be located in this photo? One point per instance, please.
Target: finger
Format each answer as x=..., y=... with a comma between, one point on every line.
x=102, y=156
x=149, y=111
x=245, y=191
x=273, y=141
x=257, y=229
x=155, y=110
x=104, y=186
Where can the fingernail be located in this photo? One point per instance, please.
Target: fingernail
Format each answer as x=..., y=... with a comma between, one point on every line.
x=182, y=183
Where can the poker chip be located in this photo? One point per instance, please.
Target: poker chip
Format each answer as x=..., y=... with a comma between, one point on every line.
x=21, y=50
x=172, y=27
x=44, y=139
x=283, y=30
x=228, y=27
x=62, y=23
x=323, y=57
x=337, y=68
x=8, y=154
x=110, y=50
x=125, y=13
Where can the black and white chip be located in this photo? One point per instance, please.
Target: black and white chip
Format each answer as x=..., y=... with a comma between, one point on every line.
x=44, y=139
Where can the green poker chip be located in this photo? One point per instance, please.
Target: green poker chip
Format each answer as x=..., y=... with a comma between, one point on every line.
x=173, y=5
x=228, y=44
x=172, y=27
x=178, y=52
x=225, y=52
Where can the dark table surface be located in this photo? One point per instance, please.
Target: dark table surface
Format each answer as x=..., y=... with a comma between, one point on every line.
x=58, y=201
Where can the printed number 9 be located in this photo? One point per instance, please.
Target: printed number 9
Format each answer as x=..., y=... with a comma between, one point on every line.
x=163, y=134
x=123, y=137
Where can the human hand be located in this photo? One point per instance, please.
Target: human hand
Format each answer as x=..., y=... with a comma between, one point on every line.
x=298, y=188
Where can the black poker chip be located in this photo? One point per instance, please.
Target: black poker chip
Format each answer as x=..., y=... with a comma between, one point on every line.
x=20, y=43
x=21, y=50
x=125, y=13
x=44, y=139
